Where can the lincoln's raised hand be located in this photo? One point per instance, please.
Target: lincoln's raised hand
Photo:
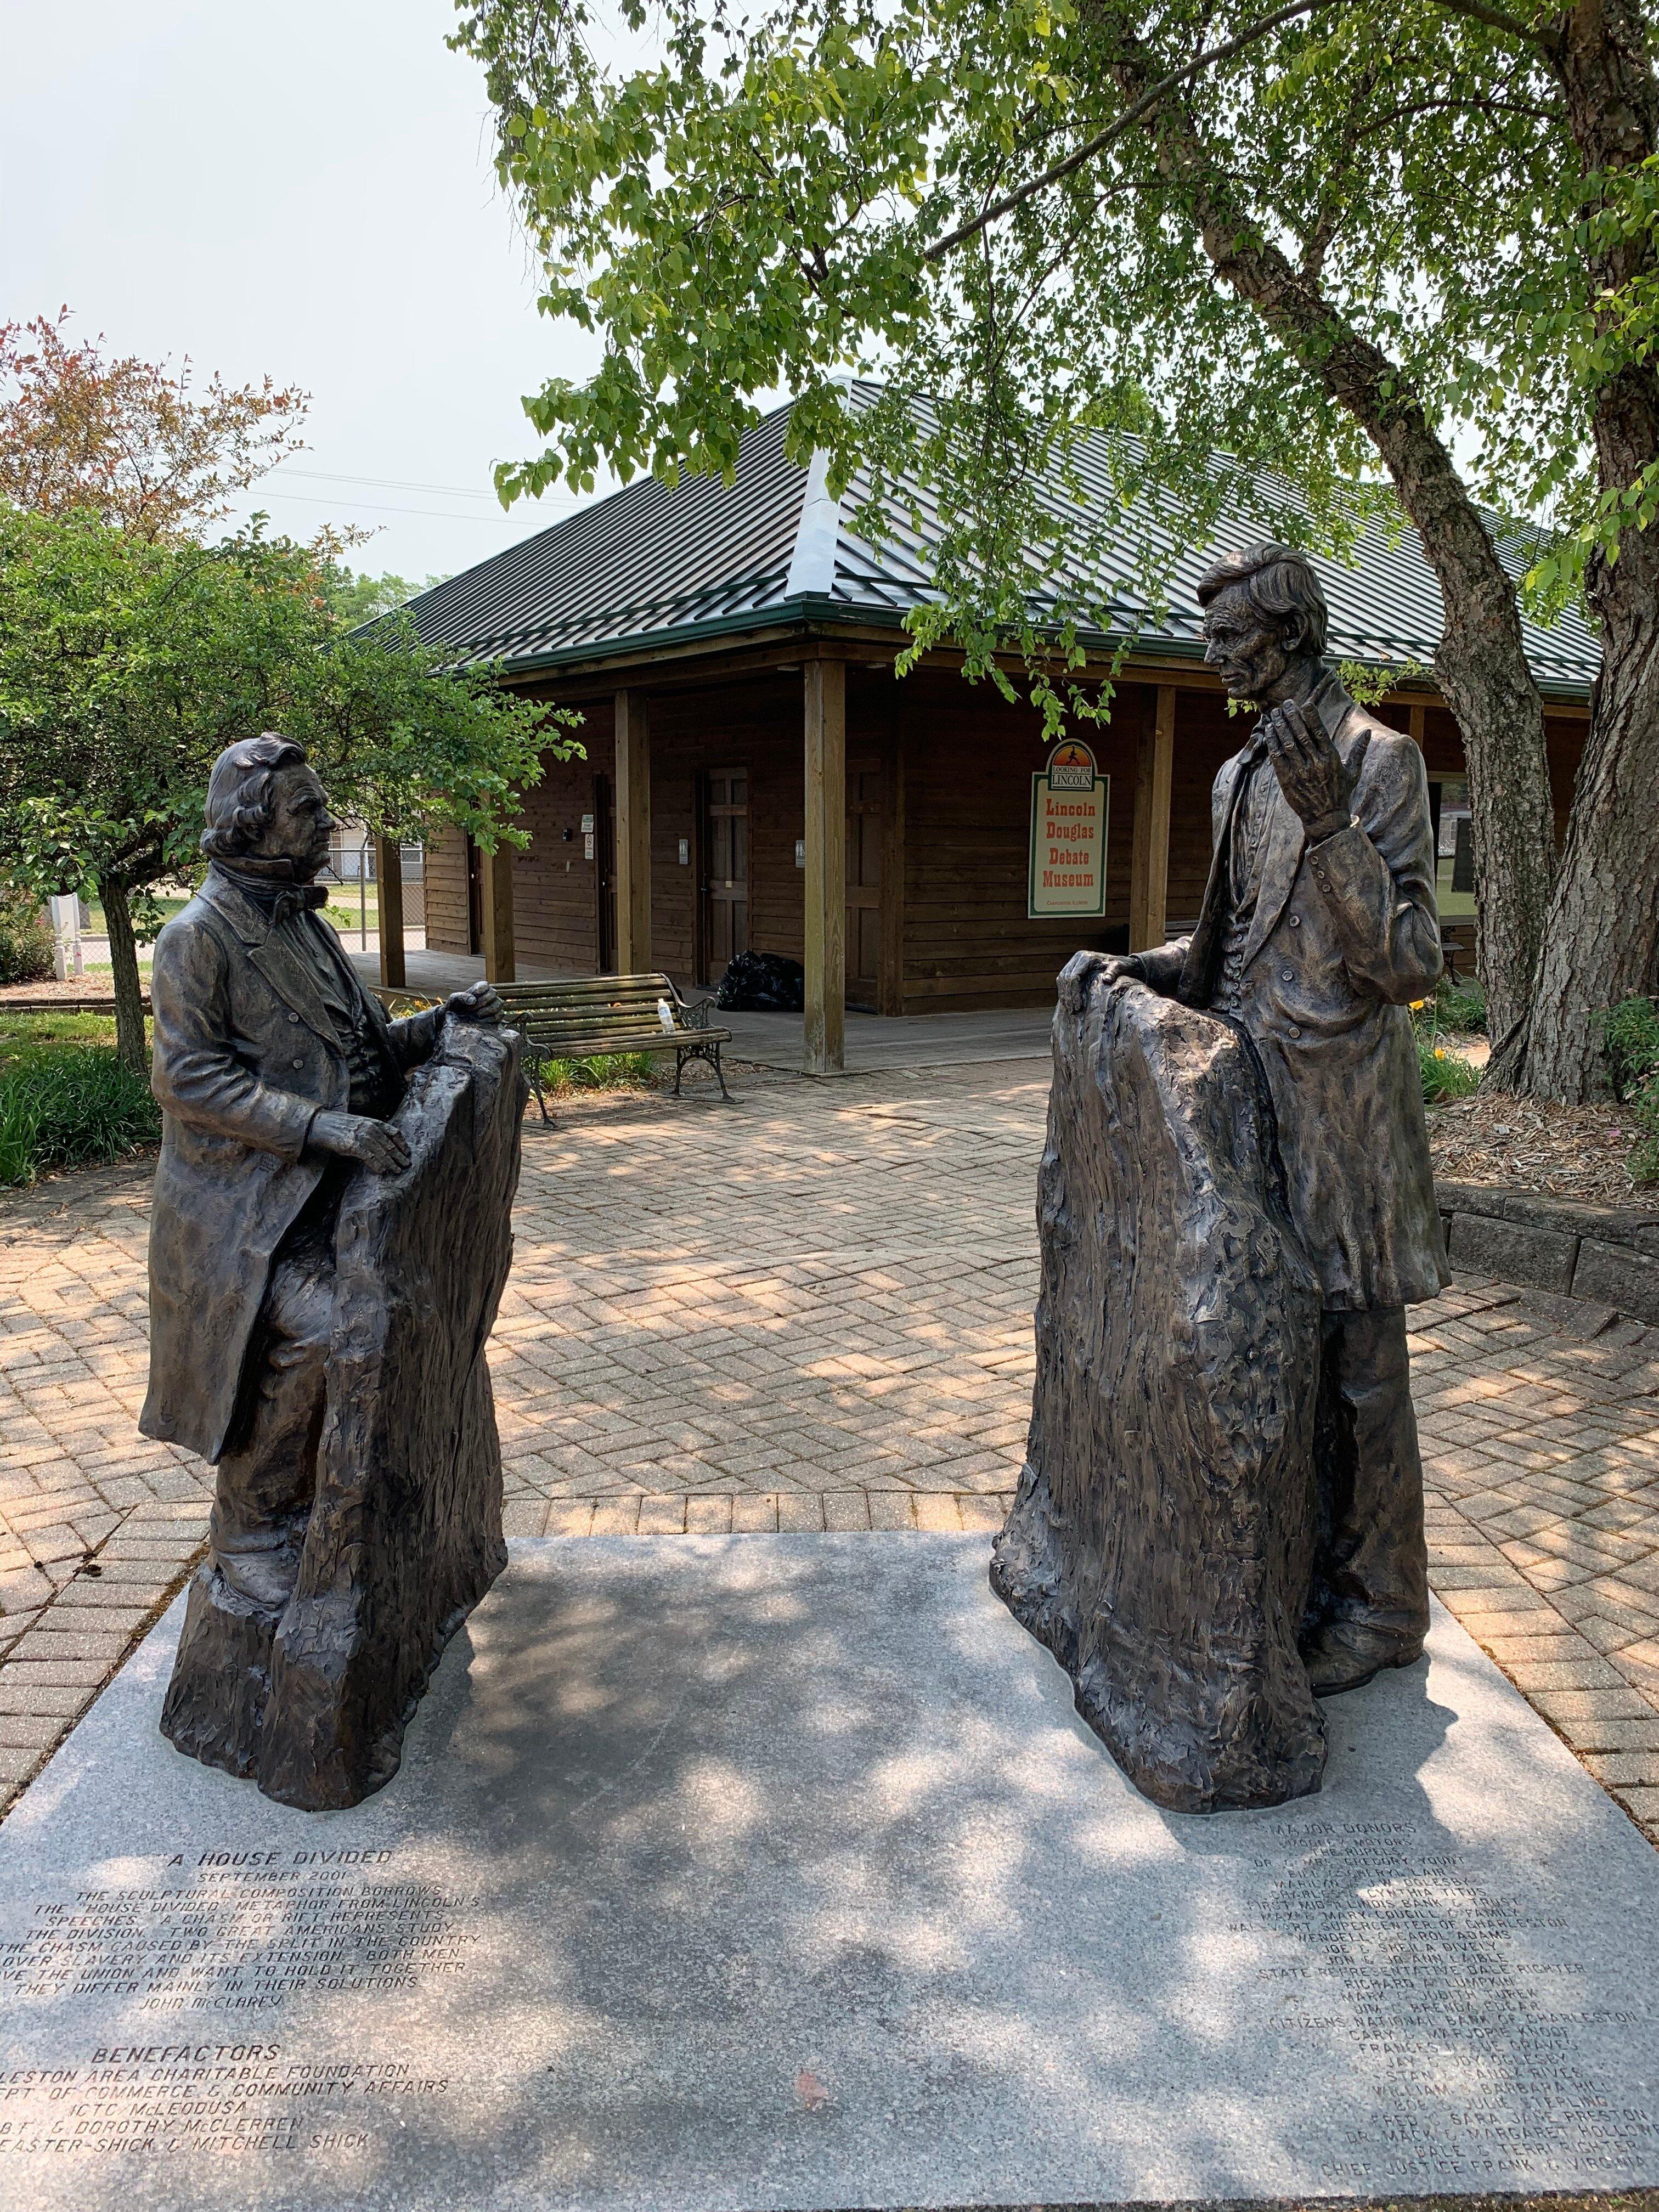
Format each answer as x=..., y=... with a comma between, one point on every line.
x=1309, y=767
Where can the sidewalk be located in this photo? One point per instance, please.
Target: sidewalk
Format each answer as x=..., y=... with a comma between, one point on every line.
x=874, y=1041
x=812, y=1310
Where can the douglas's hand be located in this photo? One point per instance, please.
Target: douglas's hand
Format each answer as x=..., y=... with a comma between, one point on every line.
x=1309, y=767
x=1082, y=968
x=479, y=1002
x=374, y=1145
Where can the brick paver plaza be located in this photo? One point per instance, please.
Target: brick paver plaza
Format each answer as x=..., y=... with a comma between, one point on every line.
x=810, y=1310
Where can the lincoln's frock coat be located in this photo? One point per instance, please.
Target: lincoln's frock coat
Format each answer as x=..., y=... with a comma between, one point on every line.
x=244, y=1056
x=1344, y=935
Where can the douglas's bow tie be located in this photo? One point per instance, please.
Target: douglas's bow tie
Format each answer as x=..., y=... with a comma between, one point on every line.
x=304, y=896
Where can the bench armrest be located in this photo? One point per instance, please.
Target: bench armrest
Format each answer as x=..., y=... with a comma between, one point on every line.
x=689, y=1013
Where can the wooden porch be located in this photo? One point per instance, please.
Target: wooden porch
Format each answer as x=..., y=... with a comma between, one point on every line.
x=788, y=794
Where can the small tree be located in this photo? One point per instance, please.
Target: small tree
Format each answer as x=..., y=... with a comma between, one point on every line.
x=123, y=440
x=364, y=599
x=127, y=664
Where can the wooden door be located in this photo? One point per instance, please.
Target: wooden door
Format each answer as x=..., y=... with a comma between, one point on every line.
x=865, y=829
x=604, y=876
x=474, y=898
x=726, y=861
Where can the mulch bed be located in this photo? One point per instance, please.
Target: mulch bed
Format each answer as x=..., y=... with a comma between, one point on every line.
x=94, y=992
x=1580, y=1153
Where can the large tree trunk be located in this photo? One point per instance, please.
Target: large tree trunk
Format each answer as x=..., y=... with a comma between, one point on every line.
x=1602, y=939
x=1480, y=664
x=124, y=962
x=1484, y=676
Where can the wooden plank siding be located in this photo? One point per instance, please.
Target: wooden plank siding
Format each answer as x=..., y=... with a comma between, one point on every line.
x=968, y=761
x=955, y=762
x=1563, y=742
x=444, y=876
x=555, y=893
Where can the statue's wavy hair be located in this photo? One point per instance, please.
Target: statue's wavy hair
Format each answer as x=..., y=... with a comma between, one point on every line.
x=1281, y=582
x=241, y=792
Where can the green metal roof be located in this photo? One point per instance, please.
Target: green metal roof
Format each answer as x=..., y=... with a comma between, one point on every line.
x=656, y=564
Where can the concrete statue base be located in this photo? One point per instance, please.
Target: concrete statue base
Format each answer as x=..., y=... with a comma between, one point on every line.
x=779, y=1873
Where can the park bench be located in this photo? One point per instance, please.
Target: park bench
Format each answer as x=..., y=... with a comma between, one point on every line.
x=1458, y=950
x=588, y=1017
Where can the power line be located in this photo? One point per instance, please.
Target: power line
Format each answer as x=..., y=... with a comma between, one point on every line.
x=375, y=506
x=402, y=483
x=384, y=483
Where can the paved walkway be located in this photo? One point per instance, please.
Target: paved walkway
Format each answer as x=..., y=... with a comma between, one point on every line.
x=809, y=1310
x=776, y=1041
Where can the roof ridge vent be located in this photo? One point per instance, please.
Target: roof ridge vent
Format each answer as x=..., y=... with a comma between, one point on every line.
x=812, y=563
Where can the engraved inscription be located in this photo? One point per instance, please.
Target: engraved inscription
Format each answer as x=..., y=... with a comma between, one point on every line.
x=1448, y=1998
x=221, y=2098
x=224, y=1933
x=244, y=1932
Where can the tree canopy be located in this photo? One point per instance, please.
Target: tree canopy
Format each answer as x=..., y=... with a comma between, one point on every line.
x=360, y=598
x=1300, y=263
x=126, y=665
x=149, y=452
x=967, y=201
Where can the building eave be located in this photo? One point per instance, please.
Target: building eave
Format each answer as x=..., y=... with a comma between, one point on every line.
x=812, y=614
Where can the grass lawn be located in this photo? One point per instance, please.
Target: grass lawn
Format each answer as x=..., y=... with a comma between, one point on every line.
x=96, y=926
x=65, y=1100
x=342, y=911
x=25, y=1034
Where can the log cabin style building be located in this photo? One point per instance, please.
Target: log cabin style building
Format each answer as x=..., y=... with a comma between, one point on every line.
x=757, y=777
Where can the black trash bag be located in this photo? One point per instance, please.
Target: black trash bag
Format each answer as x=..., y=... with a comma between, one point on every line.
x=762, y=982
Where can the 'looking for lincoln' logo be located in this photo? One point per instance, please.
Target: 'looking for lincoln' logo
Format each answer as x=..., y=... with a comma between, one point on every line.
x=1071, y=767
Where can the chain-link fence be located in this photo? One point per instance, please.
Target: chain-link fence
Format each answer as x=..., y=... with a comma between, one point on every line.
x=351, y=880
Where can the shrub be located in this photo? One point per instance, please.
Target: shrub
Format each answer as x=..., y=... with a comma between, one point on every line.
x=74, y=1106
x=25, y=939
x=1446, y=1074
x=1630, y=1034
x=609, y=1071
x=1460, y=1006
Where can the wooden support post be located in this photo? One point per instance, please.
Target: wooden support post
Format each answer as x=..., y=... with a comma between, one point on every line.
x=498, y=942
x=389, y=887
x=891, y=995
x=1149, y=870
x=632, y=835
x=1419, y=714
x=826, y=867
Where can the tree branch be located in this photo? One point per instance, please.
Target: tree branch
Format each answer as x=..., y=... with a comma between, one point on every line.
x=1499, y=19
x=1148, y=100
x=1497, y=104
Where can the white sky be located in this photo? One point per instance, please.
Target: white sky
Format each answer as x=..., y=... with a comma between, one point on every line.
x=305, y=191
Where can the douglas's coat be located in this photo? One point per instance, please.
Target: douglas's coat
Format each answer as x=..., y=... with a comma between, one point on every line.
x=245, y=1055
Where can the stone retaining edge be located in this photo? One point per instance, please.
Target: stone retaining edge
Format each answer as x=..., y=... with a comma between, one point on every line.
x=1608, y=1255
